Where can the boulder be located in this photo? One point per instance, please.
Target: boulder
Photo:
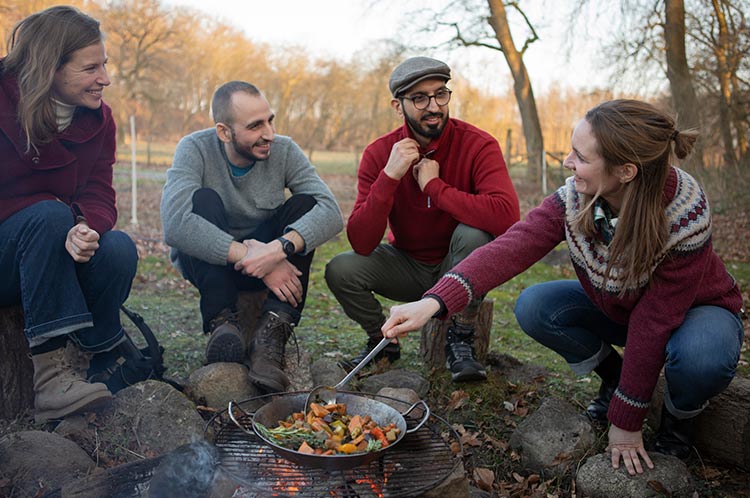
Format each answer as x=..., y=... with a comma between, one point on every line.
x=553, y=438
x=149, y=419
x=36, y=461
x=218, y=383
x=597, y=479
x=397, y=378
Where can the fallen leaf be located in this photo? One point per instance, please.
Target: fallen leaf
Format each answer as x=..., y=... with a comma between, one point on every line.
x=518, y=477
x=458, y=399
x=456, y=448
x=659, y=488
x=484, y=478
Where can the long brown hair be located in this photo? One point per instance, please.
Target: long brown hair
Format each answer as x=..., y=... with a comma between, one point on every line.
x=631, y=131
x=39, y=45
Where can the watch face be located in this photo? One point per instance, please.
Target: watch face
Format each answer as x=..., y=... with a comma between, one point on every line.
x=288, y=246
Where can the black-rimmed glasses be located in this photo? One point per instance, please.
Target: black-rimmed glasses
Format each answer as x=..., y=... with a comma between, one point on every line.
x=421, y=101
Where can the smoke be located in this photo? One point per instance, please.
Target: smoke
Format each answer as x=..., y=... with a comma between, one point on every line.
x=187, y=472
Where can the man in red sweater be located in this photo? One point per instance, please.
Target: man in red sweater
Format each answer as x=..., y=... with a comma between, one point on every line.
x=442, y=188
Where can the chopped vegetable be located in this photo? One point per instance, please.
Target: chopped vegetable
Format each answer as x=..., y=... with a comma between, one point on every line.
x=329, y=430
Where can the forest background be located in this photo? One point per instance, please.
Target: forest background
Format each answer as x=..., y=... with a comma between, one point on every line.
x=165, y=60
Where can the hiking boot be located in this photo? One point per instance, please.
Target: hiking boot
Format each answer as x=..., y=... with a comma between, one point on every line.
x=460, y=355
x=597, y=409
x=226, y=342
x=60, y=390
x=266, y=368
x=609, y=371
x=674, y=436
x=391, y=352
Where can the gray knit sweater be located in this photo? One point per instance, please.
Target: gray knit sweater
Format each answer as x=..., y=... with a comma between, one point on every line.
x=249, y=199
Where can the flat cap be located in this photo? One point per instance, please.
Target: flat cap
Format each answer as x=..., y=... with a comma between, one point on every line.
x=415, y=69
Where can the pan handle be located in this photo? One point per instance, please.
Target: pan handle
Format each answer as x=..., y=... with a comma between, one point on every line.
x=231, y=416
x=424, y=417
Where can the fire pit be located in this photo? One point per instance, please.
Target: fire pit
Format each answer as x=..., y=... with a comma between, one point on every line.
x=420, y=462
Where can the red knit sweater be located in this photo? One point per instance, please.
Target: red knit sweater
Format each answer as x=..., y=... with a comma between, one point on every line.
x=474, y=188
x=689, y=274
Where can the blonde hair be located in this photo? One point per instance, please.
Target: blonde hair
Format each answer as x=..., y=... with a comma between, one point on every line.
x=39, y=45
x=631, y=131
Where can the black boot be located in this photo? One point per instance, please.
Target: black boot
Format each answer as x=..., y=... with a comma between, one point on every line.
x=266, y=368
x=674, y=436
x=609, y=371
x=460, y=357
x=391, y=352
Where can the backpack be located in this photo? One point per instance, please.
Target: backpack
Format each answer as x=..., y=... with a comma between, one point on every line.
x=128, y=364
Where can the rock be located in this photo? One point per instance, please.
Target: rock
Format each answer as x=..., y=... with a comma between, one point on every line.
x=297, y=368
x=327, y=372
x=597, y=479
x=397, y=378
x=405, y=396
x=148, y=419
x=553, y=437
x=455, y=485
x=218, y=383
x=35, y=460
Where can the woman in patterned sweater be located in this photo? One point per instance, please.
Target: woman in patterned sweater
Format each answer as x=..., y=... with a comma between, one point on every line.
x=639, y=234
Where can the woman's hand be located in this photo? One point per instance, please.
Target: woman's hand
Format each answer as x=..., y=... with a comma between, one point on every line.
x=628, y=445
x=409, y=316
x=82, y=242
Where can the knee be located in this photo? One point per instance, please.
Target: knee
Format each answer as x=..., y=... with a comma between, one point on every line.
x=303, y=202
x=206, y=200
x=119, y=254
x=466, y=238
x=529, y=311
x=336, y=272
x=51, y=218
x=703, y=371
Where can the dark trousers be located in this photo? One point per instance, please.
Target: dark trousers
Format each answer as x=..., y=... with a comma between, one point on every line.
x=220, y=285
x=60, y=296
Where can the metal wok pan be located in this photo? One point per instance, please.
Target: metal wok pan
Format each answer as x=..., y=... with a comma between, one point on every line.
x=280, y=408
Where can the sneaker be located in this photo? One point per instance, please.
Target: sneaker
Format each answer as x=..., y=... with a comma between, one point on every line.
x=460, y=355
x=226, y=343
x=391, y=352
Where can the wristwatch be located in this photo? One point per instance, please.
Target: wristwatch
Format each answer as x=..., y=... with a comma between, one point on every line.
x=287, y=245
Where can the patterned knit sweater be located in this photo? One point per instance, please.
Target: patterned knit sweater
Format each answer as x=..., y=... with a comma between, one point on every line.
x=688, y=274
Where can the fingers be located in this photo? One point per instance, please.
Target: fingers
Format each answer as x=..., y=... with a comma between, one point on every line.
x=630, y=459
x=642, y=451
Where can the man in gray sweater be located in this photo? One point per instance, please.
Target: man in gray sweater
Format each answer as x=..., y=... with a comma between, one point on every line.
x=231, y=228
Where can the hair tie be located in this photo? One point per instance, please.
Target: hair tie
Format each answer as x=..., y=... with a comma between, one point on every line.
x=674, y=134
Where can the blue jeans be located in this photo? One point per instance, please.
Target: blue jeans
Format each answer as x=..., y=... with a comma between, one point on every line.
x=700, y=358
x=58, y=295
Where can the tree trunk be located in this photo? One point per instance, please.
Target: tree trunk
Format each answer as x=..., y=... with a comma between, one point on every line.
x=684, y=98
x=432, y=345
x=16, y=369
x=532, y=129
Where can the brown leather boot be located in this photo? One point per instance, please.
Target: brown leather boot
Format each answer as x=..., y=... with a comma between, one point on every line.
x=60, y=390
x=226, y=343
x=266, y=365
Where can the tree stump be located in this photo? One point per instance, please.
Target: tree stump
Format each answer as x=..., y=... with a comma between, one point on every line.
x=432, y=345
x=722, y=430
x=16, y=369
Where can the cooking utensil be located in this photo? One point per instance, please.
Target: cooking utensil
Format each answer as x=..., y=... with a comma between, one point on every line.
x=328, y=394
x=280, y=408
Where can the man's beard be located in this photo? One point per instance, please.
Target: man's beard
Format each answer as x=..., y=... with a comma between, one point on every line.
x=427, y=131
x=246, y=151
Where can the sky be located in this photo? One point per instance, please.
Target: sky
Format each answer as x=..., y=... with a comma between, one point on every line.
x=340, y=28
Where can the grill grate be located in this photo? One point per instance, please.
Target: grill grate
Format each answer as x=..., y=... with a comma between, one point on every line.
x=420, y=462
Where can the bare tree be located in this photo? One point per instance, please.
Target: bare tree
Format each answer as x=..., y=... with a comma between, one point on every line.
x=684, y=98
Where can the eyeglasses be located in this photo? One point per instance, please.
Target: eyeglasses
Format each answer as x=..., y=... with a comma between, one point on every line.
x=421, y=101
